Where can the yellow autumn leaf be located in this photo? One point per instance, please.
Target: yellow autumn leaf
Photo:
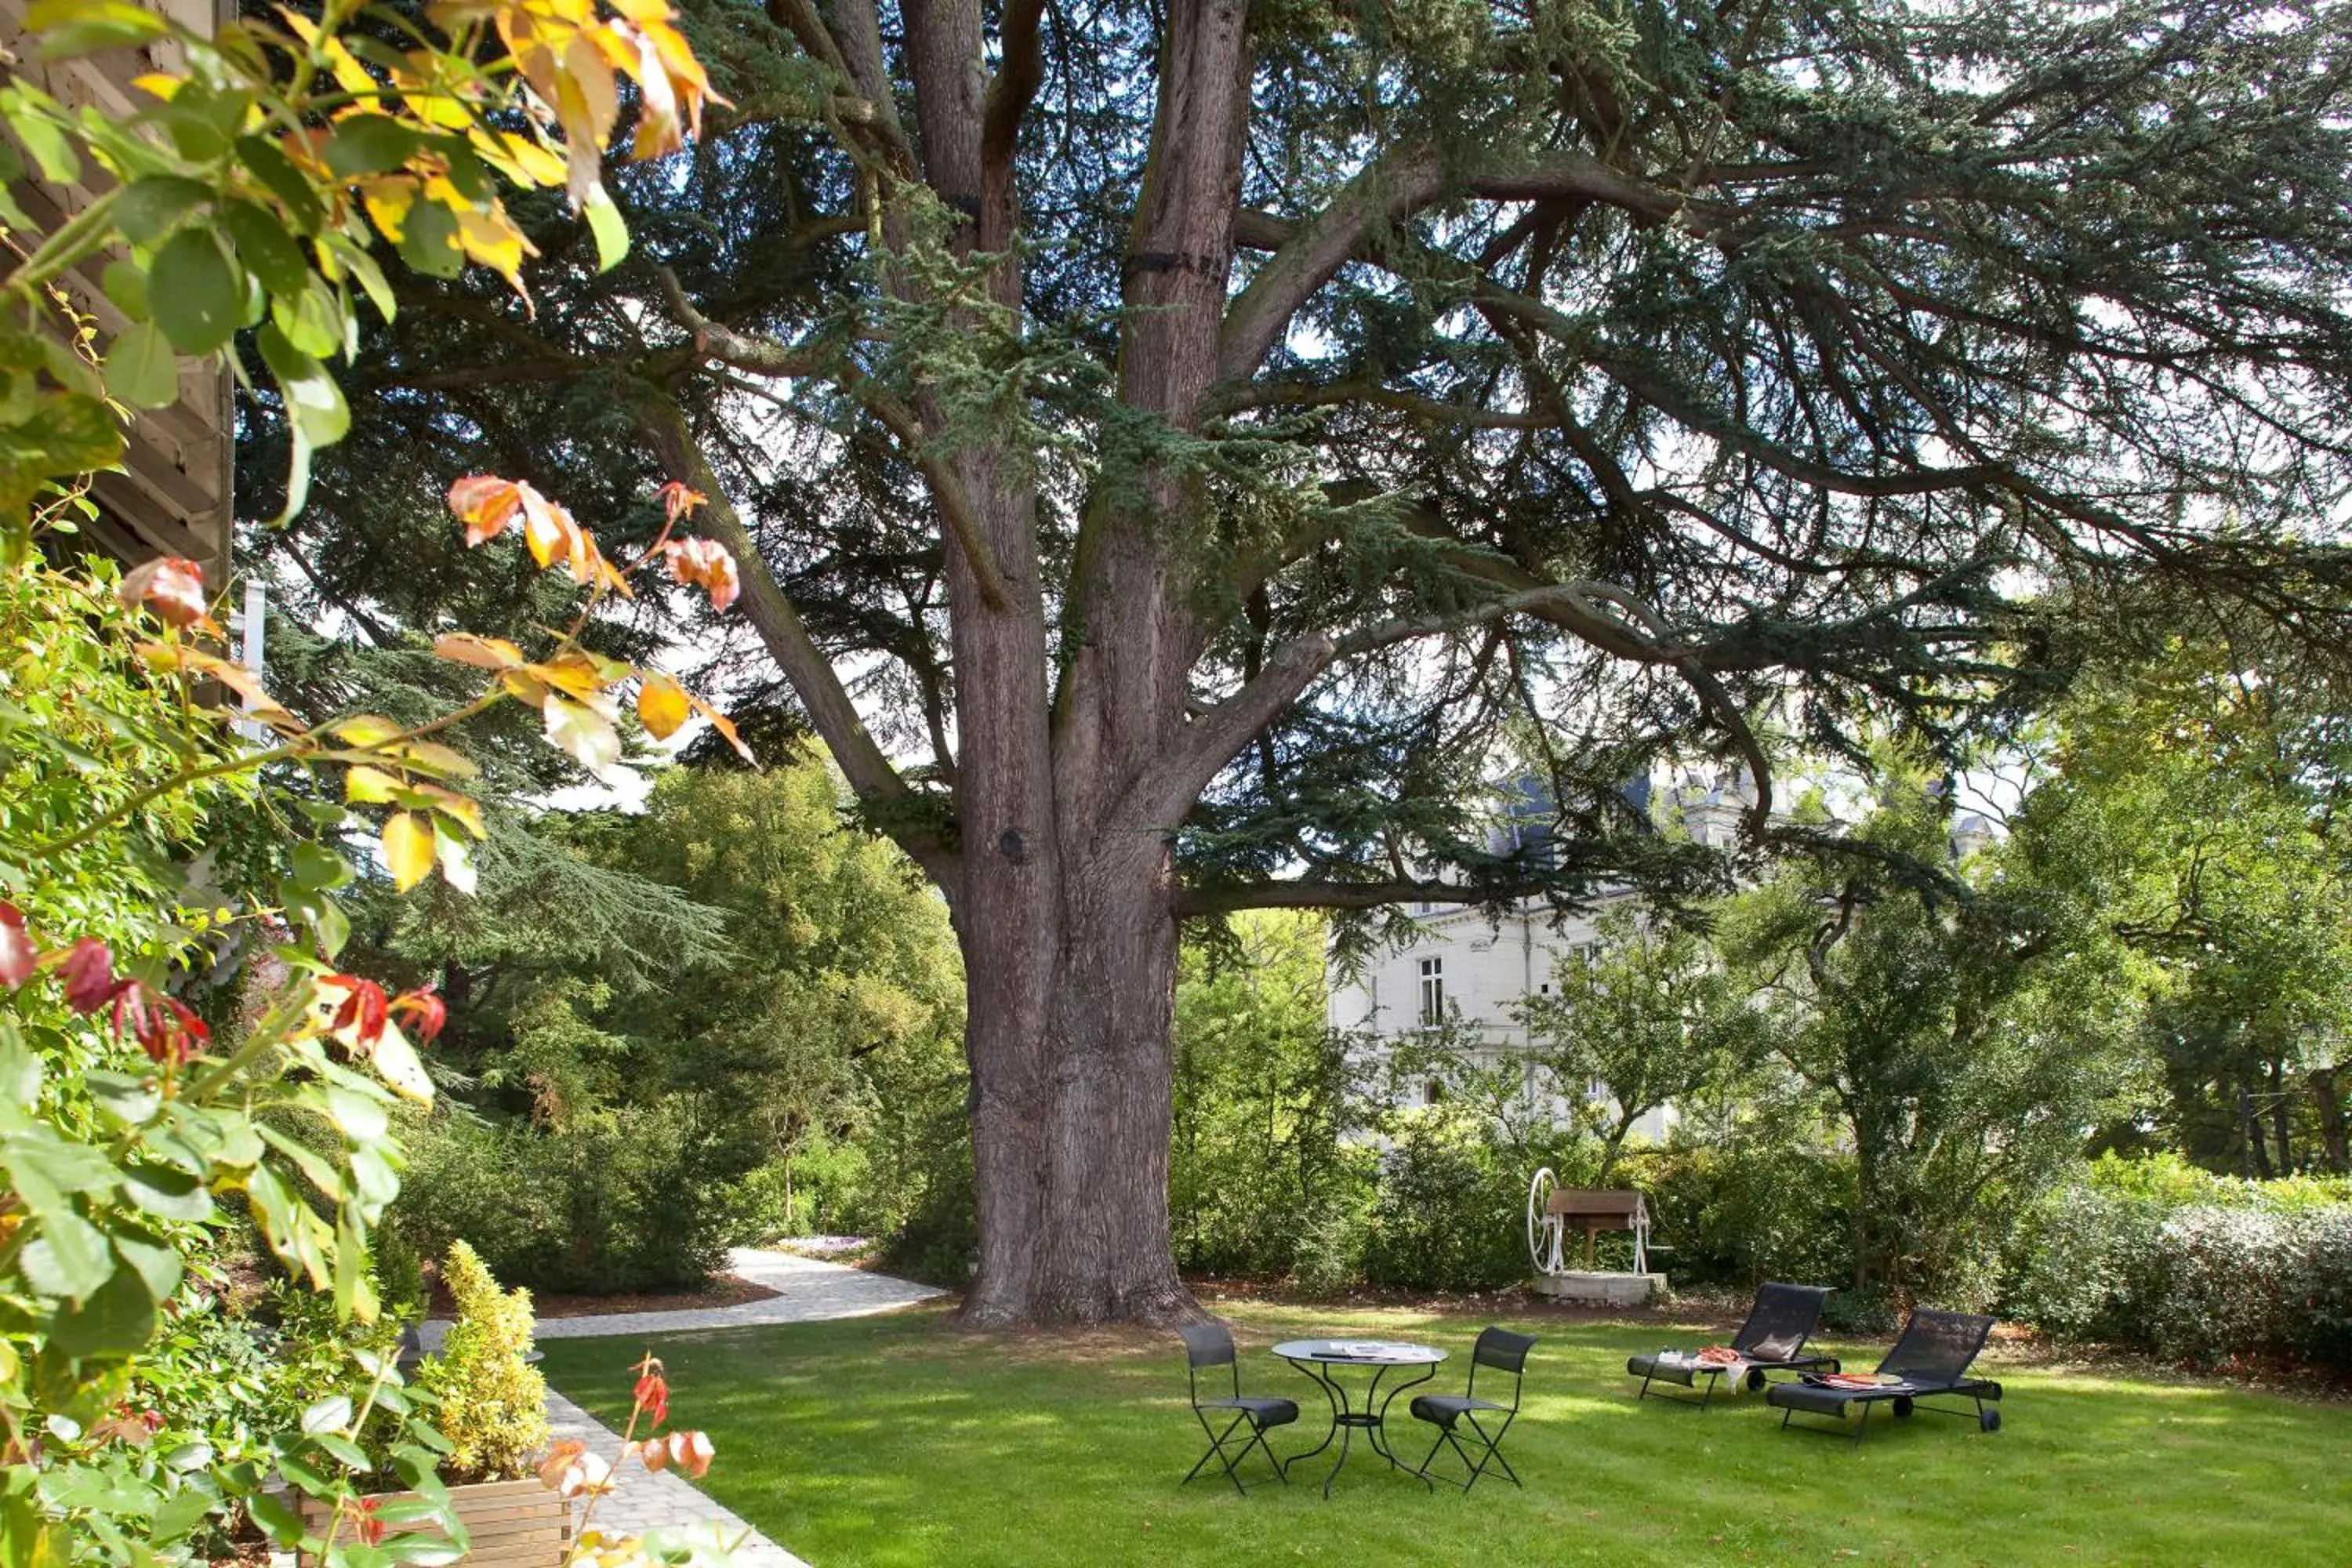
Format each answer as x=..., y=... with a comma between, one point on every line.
x=662, y=705
x=407, y=849
x=350, y=75
x=366, y=730
x=364, y=786
x=490, y=238
x=519, y=158
x=432, y=757
x=388, y=201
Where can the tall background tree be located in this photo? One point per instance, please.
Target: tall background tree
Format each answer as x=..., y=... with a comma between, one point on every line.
x=1166, y=446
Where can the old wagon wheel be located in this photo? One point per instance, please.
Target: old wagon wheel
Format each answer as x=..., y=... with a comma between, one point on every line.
x=1543, y=1226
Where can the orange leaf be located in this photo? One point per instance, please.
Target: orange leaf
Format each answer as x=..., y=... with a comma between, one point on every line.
x=487, y=504
x=662, y=705
x=407, y=848
x=482, y=653
x=725, y=726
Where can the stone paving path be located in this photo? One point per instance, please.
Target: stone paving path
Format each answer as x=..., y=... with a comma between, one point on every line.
x=668, y=1502
x=808, y=1291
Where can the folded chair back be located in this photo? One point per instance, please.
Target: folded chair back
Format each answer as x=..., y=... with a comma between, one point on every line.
x=1937, y=1347
x=1209, y=1344
x=1783, y=1317
x=1505, y=1352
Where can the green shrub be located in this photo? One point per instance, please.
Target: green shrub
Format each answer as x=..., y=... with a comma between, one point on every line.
x=627, y=1200
x=1451, y=1212
x=493, y=1401
x=1747, y=1210
x=2157, y=1256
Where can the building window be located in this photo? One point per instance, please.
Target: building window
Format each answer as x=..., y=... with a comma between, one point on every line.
x=1432, y=1092
x=1586, y=953
x=1433, y=992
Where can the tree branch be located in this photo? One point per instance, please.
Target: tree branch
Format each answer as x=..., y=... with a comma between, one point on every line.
x=1315, y=893
x=813, y=679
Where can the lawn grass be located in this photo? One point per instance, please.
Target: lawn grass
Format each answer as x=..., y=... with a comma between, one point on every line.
x=899, y=1440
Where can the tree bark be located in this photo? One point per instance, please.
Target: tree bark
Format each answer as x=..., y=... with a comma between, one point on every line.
x=1073, y=1072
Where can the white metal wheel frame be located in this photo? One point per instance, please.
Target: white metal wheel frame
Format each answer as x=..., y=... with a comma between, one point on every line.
x=1544, y=1227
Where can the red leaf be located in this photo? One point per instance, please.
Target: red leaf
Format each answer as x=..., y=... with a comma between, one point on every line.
x=90, y=975
x=360, y=1019
x=426, y=1010
x=170, y=585
x=678, y=501
x=16, y=947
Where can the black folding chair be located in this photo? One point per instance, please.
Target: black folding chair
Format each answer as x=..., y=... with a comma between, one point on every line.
x=1932, y=1358
x=1502, y=1351
x=1210, y=1346
x=1782, y=1319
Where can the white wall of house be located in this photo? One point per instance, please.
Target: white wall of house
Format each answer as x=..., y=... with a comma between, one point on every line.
x=1466, y=959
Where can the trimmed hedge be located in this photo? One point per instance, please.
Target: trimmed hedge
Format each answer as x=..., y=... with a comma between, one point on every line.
x=2158, y=1256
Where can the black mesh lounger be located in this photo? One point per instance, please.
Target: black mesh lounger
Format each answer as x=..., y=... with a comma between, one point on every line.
x=1773, y=1338
x=1932, y=1358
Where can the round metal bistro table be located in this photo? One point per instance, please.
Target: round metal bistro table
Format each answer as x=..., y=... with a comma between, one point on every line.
x=1326, y=1359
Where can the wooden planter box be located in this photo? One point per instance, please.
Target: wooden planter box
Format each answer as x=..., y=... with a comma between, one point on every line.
x=514, y=1524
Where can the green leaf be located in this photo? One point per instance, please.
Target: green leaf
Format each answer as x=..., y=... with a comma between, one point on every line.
x=270, y=1194
x=314, y=407
x=54, y=1164
x=126, y=285
x=180, y=1513
x=343, y=1451
x=269, y=252
x=199, y=297
x=130, y=1100
x=312, y=320
x=612, y=231
x=20, y=1070
x=158, y=1266
x=317, y=867
x=150, y=208
x=117, y=1319
x=368, y=145
x=276, y=1517
x=331, y=1414
x=68, y=1258
x=141, y=369
x=361, y=1119
x=71, y=28
x=168, y=1194
x=371, y=277
x=52, y=149
x=277, y=172
x=428, y=241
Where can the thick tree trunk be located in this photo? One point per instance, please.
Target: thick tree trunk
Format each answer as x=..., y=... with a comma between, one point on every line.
x=1073, y=1102
x=2332, y=1139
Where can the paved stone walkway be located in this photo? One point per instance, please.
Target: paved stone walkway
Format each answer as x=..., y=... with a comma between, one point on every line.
x=808, y=1291
x=668, y=1503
